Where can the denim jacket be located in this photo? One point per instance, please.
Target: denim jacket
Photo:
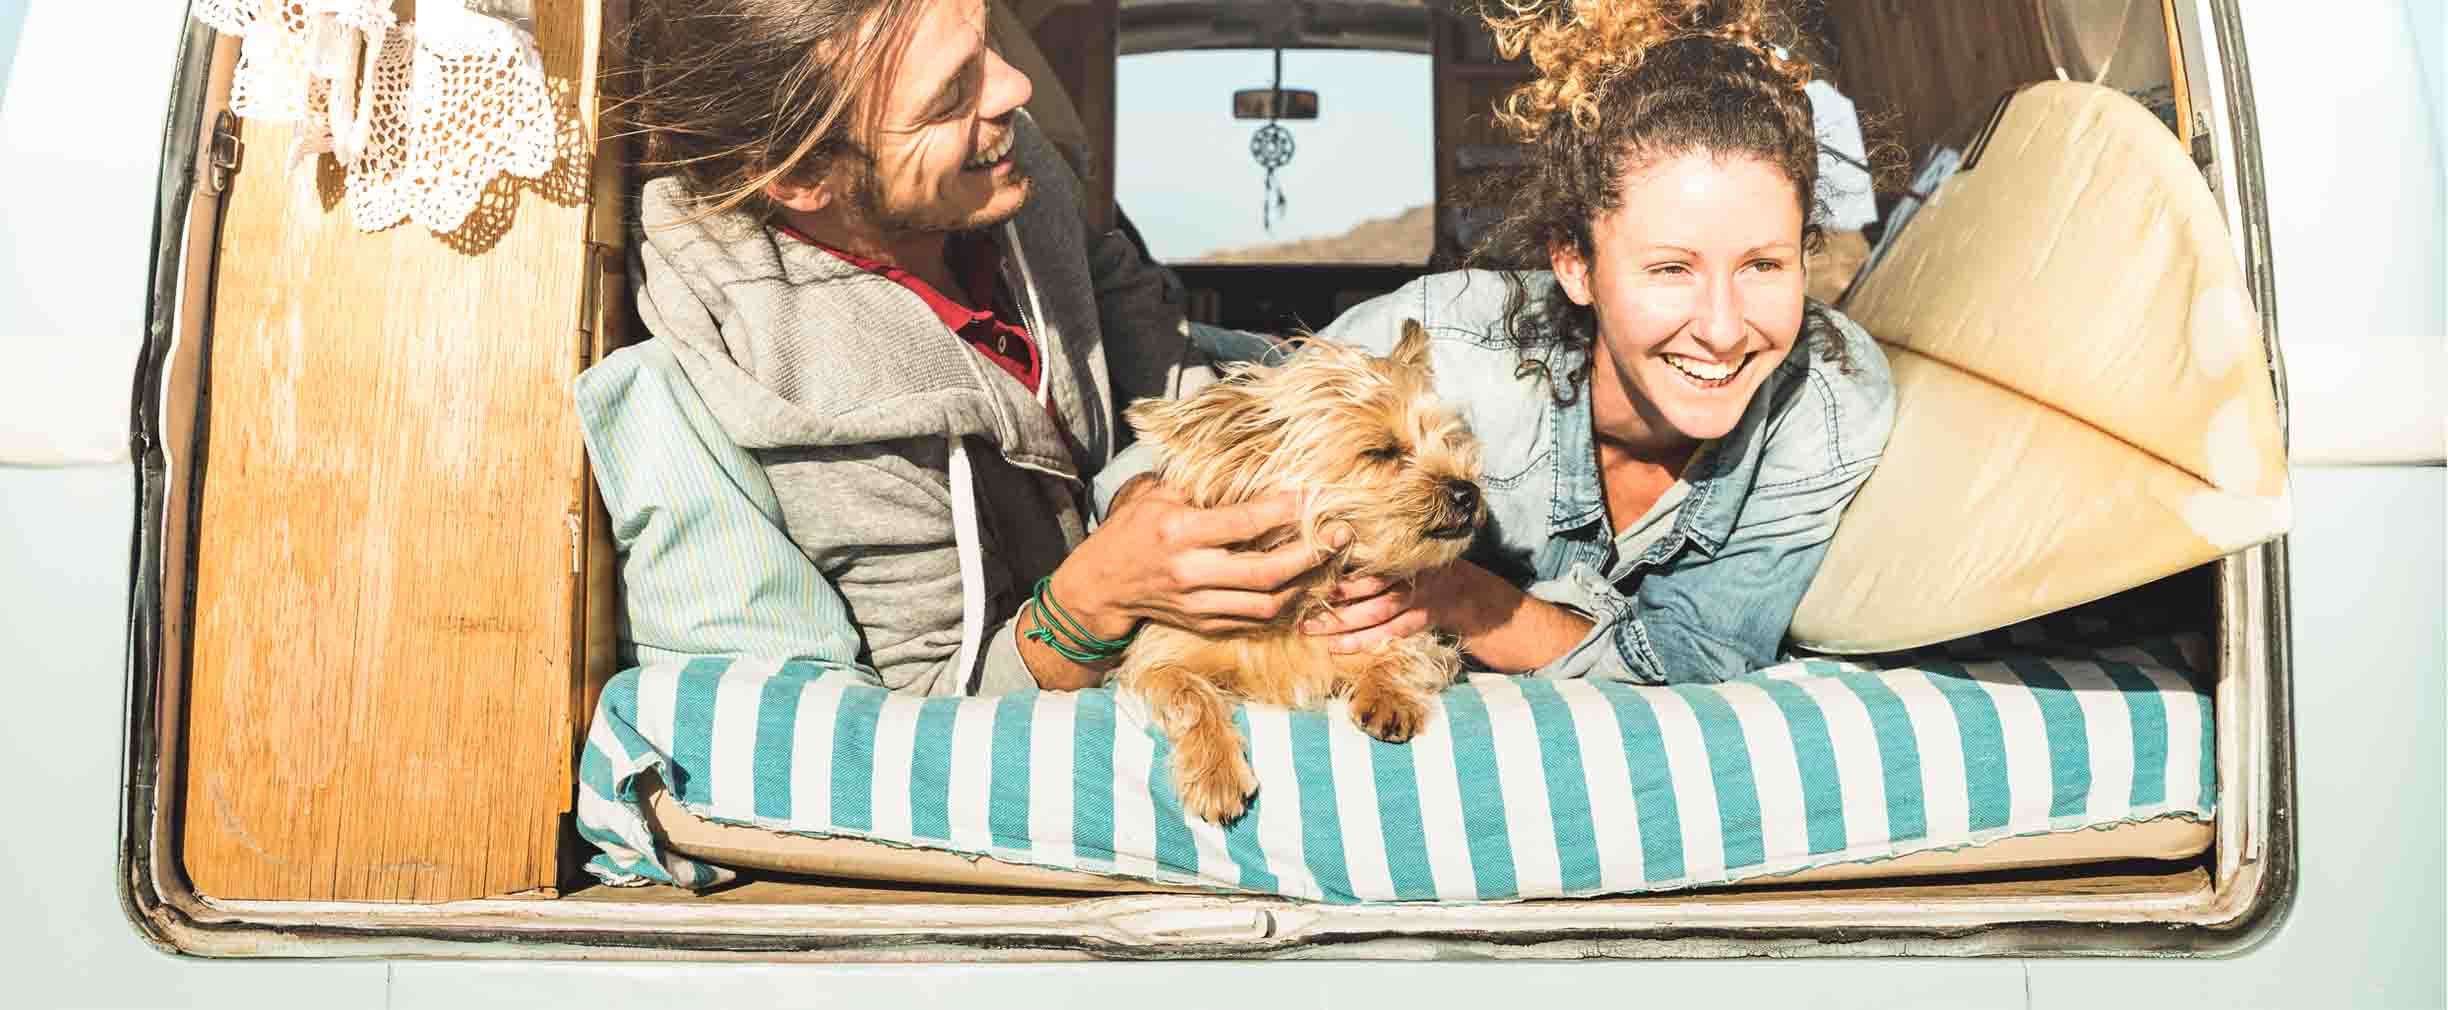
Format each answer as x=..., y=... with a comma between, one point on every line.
x=1712, y=598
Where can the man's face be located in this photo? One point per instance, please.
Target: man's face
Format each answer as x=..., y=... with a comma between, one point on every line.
x=942, y=150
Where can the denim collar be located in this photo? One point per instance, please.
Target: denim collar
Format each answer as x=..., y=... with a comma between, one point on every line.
x=1720, y=478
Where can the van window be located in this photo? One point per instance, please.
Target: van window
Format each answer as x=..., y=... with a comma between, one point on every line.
x=1360, y=185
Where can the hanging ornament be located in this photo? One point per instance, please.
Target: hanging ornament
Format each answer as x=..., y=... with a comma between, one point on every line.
x=1272, y=147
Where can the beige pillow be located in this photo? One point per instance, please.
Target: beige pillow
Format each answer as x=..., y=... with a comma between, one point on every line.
x=2084, y=401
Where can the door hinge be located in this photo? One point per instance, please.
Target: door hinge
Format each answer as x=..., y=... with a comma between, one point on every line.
x=596, y=261
x=221, y=153
x=577, y=532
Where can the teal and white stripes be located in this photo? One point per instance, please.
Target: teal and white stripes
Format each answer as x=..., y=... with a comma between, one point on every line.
x=1517, y=788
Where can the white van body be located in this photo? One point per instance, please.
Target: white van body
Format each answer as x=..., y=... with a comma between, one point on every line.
x=2352, y=115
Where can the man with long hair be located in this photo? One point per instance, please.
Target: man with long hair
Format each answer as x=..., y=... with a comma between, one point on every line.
x=872, y=267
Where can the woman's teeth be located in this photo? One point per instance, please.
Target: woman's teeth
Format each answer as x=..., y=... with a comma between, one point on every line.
x=993, y=154
x=1707, y=373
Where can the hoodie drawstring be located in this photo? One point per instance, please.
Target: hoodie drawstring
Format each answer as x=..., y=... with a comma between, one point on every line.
x=972, y=566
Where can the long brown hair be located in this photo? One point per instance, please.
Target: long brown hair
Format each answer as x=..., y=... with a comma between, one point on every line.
x=732, y=95
x=1622, y=84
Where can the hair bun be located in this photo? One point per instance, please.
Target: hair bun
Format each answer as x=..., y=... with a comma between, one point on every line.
x=1581, y=46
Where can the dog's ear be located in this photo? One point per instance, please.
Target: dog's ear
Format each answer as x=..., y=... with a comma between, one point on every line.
x=1180, y=425
x=1155, y=421
x=1412, y=350
x=1210, y=444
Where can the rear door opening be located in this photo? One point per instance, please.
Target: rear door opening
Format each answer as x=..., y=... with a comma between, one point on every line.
x=306, y=676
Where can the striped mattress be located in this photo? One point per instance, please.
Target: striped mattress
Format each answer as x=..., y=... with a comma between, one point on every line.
x=1517, y=789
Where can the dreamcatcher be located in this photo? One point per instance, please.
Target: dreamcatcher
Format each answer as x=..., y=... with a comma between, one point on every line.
x=1272, y=148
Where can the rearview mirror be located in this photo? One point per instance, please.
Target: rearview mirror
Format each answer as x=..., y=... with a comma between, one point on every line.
x=1275, y=103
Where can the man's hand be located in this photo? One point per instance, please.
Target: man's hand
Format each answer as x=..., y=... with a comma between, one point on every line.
x=1157, y=558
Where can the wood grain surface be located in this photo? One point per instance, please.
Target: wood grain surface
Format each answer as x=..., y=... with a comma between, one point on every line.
x=1928, y=68
x=1077, y=42
x=393, y=490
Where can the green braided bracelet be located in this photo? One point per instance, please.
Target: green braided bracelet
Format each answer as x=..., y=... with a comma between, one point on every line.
x=1065, y=635
x=1067, y=650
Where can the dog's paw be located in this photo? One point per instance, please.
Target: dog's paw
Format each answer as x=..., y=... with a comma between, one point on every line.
x=1387, y=713
x=1217, y=788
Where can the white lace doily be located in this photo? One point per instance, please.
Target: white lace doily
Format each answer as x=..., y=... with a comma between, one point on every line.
x=420, y=116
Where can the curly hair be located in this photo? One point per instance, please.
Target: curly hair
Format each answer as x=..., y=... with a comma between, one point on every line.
x=733, y=95
x=1622, y=84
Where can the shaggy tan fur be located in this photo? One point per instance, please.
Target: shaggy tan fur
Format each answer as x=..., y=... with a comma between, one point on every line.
x=1370, y=450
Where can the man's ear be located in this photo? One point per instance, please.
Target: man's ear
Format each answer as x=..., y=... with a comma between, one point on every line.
x=1571, y=271
x=802, y=194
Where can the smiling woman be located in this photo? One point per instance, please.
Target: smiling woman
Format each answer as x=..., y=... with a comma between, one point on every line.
x=1696, y=284
x=1698, y=402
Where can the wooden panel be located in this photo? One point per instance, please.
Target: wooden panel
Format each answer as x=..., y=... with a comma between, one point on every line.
x=1049, y=97
x=2180, y=90
x=1933, y=65
x=381, y=691
x=1079, y=41
x=1469, y=80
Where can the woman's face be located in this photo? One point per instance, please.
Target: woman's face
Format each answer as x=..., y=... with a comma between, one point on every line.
x=1697, y=282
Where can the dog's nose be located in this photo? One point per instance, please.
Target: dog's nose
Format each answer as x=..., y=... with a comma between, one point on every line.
x=1463, y=496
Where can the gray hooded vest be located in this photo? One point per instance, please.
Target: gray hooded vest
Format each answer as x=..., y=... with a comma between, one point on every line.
x=928, y=485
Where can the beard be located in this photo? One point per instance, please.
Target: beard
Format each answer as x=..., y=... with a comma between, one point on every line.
x=867, y=195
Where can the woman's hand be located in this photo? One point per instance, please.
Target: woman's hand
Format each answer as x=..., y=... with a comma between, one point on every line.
x=1499, y=625
x=1370, y=611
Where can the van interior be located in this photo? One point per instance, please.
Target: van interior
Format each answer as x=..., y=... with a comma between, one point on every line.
x=379, y=540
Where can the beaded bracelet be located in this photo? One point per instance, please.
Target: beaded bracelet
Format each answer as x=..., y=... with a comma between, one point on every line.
x=1065, y=635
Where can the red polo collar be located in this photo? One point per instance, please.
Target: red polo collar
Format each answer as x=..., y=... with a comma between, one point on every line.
x=978, y=264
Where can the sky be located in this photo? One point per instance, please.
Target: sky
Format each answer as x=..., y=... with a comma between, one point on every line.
x=1183, y=167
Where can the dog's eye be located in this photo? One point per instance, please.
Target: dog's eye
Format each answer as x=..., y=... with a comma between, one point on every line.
x=1383, y=454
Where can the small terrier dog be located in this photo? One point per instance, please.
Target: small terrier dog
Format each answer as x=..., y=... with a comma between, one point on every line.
x=1369, y=449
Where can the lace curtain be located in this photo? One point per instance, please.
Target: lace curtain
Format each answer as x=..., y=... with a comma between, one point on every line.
x=420, y=115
